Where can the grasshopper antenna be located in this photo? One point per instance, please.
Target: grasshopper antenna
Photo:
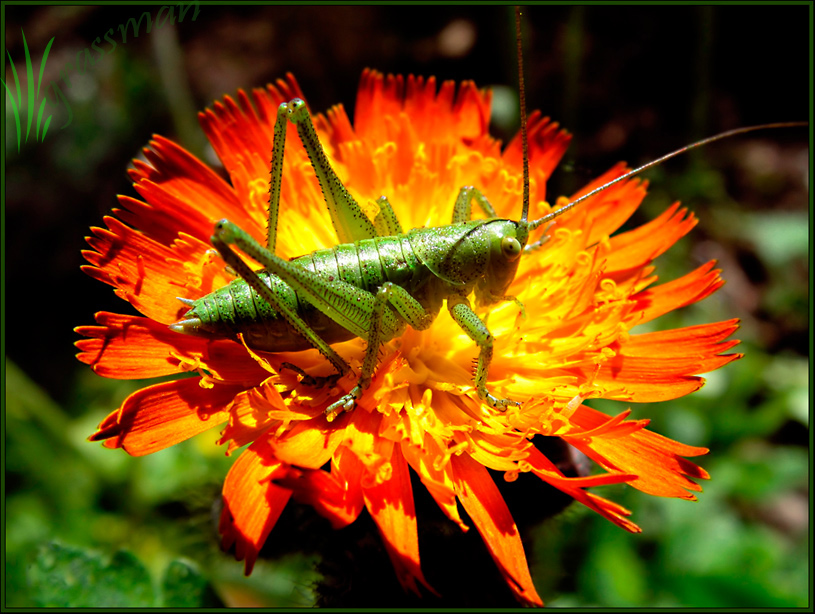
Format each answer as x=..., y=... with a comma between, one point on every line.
x=523, y=226
x=716, y=137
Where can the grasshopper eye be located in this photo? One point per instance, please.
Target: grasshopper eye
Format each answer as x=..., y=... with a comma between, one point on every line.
x=510, y=248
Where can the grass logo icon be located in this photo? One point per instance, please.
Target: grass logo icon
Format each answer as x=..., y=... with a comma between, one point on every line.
x=32, y=97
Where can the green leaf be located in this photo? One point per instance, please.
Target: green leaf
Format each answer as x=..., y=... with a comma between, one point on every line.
x=183, y=586
x=64, y=576
x=728, y=591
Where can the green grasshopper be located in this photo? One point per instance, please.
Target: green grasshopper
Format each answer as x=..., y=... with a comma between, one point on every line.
x=379, y=279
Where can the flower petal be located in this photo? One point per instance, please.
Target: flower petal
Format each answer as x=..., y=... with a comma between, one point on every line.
x=242, y=137
x=635, y=248
x=686, y=290
x=655, y=460
x=659, y=366
x=311, y=443
x=252, y=503
x=182, y=193
x=163, y=415
x=138, y=267
x=602, y=214
x=439, y=482
x=337, y=495
x=128, y=347
x=131, y=347
x=546, y=470
x=390, y=503
x=437, y=116
x=485, y=505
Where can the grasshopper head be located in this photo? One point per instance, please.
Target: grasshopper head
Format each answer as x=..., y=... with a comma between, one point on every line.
x=507, y=240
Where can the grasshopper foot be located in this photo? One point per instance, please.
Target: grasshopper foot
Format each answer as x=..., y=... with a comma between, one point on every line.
x=345, y=403
x=310, y=380
x=499, y=404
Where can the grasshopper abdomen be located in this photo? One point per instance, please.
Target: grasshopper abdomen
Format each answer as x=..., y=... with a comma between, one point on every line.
x=237, y=308
x=366, y=264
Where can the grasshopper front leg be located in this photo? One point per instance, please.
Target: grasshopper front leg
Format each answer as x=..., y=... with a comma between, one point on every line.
x=471, y=324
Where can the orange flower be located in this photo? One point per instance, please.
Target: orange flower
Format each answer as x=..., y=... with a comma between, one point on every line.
x=584, y=291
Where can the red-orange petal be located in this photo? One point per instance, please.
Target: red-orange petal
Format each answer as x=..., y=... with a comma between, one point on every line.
x=630, y=251
x=252, y=503
x=336, y=496
x=655, y=460
x=547, y=144
x=548, y=472
x=483, y=502
x=439, y=482
x=662, y=365
x=602, y=214
x=132, y=347
x=183, y=193
x=241, y=133
x=698, y=342
x=159, y=416
x=141, y=270
x=128, y=347
x=686, y=290
x=390, y=503
x=436, y=116
x=311, y=443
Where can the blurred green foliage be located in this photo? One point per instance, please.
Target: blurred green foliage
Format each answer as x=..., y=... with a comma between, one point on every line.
x=91, y=527
x=70, y=500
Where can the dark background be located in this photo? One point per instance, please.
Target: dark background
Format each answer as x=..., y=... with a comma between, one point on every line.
x=629, y=82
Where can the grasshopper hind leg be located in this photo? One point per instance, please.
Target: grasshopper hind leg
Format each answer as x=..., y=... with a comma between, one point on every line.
x=462, y=209
x=392, y=309
x=226, y=234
